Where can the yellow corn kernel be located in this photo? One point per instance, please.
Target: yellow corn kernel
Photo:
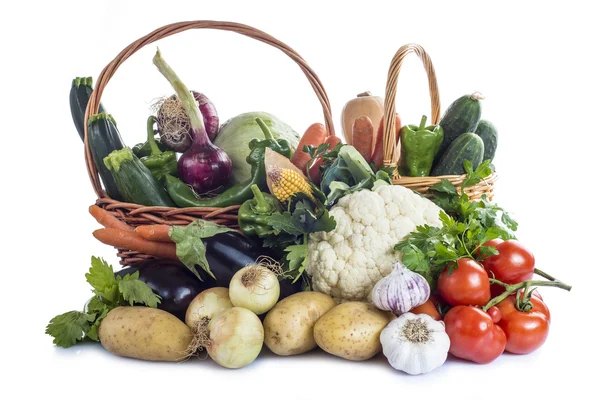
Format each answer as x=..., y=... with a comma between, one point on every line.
x=286, y=182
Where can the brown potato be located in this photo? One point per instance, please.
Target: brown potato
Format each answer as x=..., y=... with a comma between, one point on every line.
x=351, y=330
x=145, y=333
x=289, y=325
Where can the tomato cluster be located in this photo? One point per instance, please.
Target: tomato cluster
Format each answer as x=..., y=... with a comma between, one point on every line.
x=518, y=324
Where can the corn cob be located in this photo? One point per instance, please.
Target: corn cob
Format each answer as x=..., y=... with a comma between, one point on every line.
x=286, y=182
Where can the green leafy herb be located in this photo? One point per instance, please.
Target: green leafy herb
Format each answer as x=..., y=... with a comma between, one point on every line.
x=296, y=257
x=109, y=292
x=190, y=248
x=466, y=226
x=70, y=327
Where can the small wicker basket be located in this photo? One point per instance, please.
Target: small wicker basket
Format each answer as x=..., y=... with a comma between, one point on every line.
x=135, y=214
x=392, y=153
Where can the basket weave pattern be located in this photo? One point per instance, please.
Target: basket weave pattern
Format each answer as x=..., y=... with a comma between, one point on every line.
x=135, y=214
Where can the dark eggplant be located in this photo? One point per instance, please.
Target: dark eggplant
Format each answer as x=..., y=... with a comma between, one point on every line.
x=226, y=254
x=172, y=281
x=229, y=252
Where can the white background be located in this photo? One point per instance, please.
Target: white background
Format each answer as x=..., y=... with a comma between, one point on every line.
x=536, y=63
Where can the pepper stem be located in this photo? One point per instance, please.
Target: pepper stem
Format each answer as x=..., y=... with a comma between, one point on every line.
x=186, y=98
x=267, y=132
x=423, y=122
x=261, y=203
x=154, y=150
x=510, y=289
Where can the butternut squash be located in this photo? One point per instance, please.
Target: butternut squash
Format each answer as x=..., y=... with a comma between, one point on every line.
x=364, y=104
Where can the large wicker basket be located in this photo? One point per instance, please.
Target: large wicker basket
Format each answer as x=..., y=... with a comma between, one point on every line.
x=392, y=151
x=135, y=214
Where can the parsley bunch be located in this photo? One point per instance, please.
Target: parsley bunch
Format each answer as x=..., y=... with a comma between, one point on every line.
x=110, y=291
x=466, y=226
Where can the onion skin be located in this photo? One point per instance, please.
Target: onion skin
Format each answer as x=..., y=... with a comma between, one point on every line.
x=209, y=114
x=205, y=167
x=236, y=337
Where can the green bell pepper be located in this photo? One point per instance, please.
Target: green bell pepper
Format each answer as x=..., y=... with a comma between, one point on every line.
x=158, y=162
x=253, y=215
x=420, y=144
x=184, y=196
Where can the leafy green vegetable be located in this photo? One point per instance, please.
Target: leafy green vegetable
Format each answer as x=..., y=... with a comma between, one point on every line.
x=70, y=327
x=109, y=292
x=297, y=256
x=190, y=248
x=466, y=225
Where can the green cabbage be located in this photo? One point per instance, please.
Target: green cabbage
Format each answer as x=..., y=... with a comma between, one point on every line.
x=235, y=135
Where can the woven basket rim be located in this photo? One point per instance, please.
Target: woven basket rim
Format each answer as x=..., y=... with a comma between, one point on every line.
x=172, y=29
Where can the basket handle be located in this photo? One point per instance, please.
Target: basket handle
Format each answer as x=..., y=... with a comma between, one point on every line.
x=178, y=27
x=390, y=149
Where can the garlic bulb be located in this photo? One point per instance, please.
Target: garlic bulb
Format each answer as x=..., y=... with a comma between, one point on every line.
x=415, y=344
x=400, y=291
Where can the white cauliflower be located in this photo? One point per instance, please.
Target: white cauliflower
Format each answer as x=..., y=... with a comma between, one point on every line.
x=347, y=262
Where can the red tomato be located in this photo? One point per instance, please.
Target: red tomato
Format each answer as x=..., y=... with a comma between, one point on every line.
x=514, y=264
x=428, y=308
x=473, y=335
x=495, y=314
x=466, y=285
x=492, y=243
x=525, y=331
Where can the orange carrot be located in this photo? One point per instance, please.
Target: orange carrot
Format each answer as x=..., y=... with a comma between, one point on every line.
x=362, y=136
x=108, y=220
x=155, y=233
x=377, y=156
x=315, y=173
x=314, y=135
x=133, y=241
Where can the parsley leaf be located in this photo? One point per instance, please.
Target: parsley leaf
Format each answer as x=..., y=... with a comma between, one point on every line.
x=69, y=328
x=297, y=256
x=135, y=291
x=190, y=248
x=102, y=279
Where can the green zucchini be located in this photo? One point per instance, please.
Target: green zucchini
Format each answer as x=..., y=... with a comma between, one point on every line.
x=104, y=138
x=462, y=116
x=79, y=96
x=467, y=146
x=135, y=181
x=489, y=134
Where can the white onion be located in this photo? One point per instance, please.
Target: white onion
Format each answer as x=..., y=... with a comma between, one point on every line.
x=236, y=337
x=254, y=287
x=206, y=305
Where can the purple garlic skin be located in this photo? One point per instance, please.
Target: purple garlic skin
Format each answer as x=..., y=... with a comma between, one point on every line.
x=400, y=291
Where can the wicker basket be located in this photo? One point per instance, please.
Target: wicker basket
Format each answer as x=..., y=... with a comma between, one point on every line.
x=135, y=214
x=391, y=153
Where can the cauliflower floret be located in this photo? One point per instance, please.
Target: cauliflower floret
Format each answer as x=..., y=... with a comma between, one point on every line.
x=347, y=262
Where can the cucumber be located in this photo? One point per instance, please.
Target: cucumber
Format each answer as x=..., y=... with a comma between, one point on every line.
x=462, y=116
x=467, y=146
x=104, y=138
x=135, y=181
x=489, y=134
x=79, y=96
